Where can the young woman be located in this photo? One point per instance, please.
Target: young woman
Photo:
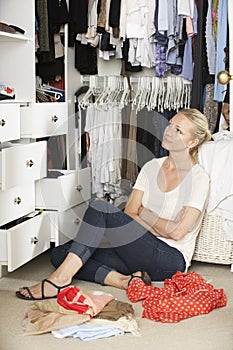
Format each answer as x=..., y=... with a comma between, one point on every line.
x=157, y=231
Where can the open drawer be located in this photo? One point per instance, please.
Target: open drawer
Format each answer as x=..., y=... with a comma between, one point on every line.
x=44, y=119
x=23, y=163
x=24, y=239
x=65, y=225
x=16, y=202
x=71, y=188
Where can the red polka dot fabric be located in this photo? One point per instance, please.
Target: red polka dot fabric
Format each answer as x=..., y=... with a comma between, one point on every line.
x=183, y=296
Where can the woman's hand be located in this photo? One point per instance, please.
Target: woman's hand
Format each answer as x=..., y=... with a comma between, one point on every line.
x=172, y=229
x=160, y=227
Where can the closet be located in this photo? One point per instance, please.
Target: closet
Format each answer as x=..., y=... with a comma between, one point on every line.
x=39, y=203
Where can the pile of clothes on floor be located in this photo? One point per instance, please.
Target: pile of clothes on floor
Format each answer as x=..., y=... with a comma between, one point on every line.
x=86, y=316
x=94, y=315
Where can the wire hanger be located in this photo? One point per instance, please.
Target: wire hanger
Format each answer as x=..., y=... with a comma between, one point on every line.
x=48, y=92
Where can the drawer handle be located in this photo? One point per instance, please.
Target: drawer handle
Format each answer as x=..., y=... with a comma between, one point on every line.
x=17, y=200
x=30, y=163
x=77, y=221
x=54, y=118
x=34, y=240
x=2, y=122
x=79, y=188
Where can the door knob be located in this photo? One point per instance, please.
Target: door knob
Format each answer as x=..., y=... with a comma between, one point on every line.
x=30, y=163
x=54, y=118
x=17, y=200
x=2, y=122
x=34, y=240
x=224, y=77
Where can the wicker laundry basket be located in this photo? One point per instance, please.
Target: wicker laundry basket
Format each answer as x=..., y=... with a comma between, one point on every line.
x=211, y=244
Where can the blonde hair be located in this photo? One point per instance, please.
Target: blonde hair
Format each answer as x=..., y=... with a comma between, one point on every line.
x=200, y=128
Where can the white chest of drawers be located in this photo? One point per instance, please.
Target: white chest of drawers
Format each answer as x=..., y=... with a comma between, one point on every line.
x=20, y=166
x=24, y=186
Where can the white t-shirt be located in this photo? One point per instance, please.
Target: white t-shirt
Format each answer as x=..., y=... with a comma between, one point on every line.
x=192, y=191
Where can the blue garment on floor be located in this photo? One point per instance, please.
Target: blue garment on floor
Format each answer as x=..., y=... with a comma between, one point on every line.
x=87, y=332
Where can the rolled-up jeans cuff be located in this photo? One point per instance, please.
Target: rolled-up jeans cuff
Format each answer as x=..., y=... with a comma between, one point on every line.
x=81, y=251
x=101, y=274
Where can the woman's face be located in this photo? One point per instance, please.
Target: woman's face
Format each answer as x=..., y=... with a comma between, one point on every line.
x=178, y=135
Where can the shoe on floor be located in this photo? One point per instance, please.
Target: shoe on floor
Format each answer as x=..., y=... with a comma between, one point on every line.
x=144, y=277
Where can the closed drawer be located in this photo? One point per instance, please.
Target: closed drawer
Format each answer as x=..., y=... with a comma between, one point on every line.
x=44, y=119
x=23, y=242
x=64, y=192
x=22, y=164
x=16, y=202
x=67, y=223
x=9, y=122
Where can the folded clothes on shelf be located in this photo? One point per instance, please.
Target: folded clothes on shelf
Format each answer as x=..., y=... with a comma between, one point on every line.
x=10, y=28
x=6, y=92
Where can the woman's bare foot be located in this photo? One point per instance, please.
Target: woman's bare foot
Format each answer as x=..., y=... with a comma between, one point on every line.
x=44, y=290
x=59, y=279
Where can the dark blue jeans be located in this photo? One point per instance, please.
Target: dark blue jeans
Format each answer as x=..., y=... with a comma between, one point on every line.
x=108, y=239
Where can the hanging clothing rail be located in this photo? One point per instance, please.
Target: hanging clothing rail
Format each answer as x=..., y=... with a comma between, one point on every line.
x=87, y=78
x=171, y=92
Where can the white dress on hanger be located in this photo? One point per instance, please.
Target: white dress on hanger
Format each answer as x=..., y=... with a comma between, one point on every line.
x=104, y=128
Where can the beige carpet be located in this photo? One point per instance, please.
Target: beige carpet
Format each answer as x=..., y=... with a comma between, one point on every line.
x=213, y=331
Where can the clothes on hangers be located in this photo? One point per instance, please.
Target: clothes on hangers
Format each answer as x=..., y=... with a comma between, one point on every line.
x=211, y=43
x=51, y=16
x=85, y=59
x=80, y=121
x=201, y=75
x=104, y=129
x=210, y=107
x=178, y=37
x=221, y=44
x=191, y=28
x=129, y=169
